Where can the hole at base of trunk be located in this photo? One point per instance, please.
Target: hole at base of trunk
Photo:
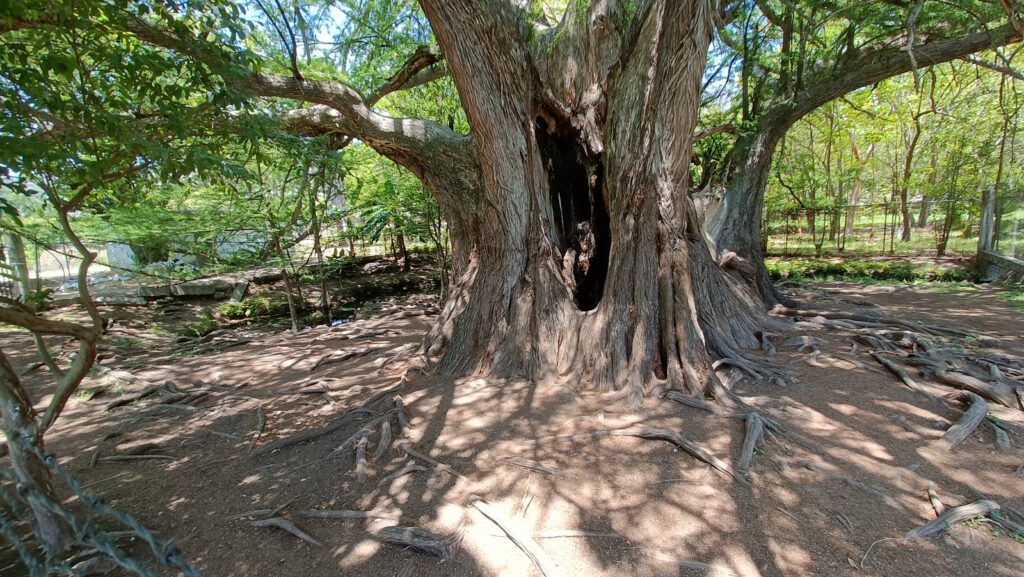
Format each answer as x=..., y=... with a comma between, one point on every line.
x=580, y=220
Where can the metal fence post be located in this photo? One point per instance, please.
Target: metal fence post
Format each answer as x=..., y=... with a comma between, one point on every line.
x=988, y=215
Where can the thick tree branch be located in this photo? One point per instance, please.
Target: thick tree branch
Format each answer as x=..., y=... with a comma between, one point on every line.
x=44, y=326
x=728, y=127
x=410, y=142
x=415, y=71
x=878, y=65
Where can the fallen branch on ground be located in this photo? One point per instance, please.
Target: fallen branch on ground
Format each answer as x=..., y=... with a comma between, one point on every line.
x=418, y=539
x=534, y=466
x=347, y=514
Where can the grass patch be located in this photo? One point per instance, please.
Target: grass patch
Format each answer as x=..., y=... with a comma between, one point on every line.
x=864, y=271
x=1015, y=296
x=125, y=342
x=205, y=325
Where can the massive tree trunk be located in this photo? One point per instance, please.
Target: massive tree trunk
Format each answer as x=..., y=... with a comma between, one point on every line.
x=593, y=267
x=733, y=218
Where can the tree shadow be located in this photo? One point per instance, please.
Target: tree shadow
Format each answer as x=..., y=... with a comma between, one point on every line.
x=853, y=473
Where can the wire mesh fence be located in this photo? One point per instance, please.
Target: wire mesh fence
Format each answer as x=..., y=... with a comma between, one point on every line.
x=96, y=529
x=7, y=288
x=1008, y=229
x=927, y=227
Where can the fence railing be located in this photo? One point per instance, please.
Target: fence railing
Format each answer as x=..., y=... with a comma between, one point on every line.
x=937, y=227
x=8, y=288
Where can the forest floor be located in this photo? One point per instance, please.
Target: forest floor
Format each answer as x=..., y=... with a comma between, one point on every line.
x=834, y=499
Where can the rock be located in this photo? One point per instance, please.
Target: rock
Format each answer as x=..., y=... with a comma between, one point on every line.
x=154, y=292
x=200, y=288
x=239, y=291
x=120, y=300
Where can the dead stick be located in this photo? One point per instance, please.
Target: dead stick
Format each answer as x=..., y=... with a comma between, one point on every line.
x=404, y=445
x=361, y=456
x=534, y=466
x=651, y=434
x=520, y=537
x=347, y=514
x=286, y=525
x=113, y=458
x=933, y=497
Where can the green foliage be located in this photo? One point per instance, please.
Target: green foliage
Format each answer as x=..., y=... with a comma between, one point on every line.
x=255, y=307
x=863, y=269
x=387, y=199
x=205, y=325
x=333, y=268
x=40, y=299
x=125, y=342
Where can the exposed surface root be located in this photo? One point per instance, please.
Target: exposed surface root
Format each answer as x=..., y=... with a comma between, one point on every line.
x=953, y=516
x=933, y=498
x=345, y=419
x=286, y=525
x=902, y=374
x=755, y=434
x=652, y=434
x=521, y=538
x=406, y=470
x=419, y=539
x=970, y=420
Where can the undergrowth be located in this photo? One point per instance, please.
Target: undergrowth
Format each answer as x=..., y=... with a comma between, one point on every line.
x=863, y=270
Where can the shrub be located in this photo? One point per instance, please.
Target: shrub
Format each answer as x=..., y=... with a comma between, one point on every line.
x=255, y=306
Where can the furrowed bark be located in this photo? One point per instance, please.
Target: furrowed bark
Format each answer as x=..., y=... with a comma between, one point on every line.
x=586, y=175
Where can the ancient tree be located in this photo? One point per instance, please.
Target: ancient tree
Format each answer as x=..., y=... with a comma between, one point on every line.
x=578, y=251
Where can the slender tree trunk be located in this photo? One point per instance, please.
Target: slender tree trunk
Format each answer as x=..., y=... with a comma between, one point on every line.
x=858, y=183
x=325, y=299
x=293, y=309
x=922, y=215
x=904, y=188
x=402, y=250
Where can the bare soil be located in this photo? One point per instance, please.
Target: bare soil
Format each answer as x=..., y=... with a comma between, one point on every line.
x=620, y=506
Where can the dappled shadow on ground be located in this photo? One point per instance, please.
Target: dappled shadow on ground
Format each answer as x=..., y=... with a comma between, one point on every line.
x=854, y=471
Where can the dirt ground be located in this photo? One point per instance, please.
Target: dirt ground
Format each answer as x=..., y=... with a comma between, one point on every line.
x=854, y=479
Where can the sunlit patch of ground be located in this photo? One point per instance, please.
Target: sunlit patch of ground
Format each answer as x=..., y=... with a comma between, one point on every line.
x=855, y=470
